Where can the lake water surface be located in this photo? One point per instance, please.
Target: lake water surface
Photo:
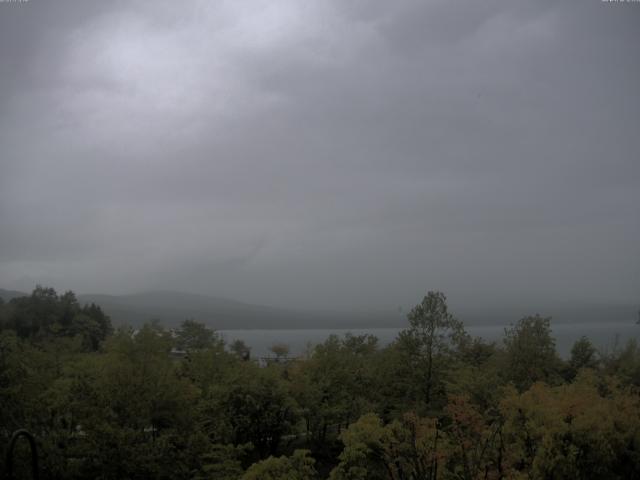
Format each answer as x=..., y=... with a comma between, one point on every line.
x=604, y=336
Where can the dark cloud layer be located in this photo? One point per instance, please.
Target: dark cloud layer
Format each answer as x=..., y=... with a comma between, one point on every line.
x=323, y=154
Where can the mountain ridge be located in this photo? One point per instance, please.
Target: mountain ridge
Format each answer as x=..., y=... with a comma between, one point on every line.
x=172, y=307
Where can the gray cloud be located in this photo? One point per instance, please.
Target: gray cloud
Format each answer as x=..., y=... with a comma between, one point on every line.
x=314, y=154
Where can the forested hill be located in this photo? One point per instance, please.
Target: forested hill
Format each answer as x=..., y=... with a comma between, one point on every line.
x=7, y=295
x=220, y=313
x=172, y=307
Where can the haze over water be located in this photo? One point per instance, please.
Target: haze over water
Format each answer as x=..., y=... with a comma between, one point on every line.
x=605, y=337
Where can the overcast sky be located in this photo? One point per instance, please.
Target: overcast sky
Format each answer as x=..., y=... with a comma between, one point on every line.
x=338, y=154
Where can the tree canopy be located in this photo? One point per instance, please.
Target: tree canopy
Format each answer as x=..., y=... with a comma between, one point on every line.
x=434, y=404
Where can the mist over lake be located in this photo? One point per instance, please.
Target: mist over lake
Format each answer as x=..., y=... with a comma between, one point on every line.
x=605, y=337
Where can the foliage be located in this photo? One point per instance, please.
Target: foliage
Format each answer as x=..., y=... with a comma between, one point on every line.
x=334, y=386
x=44, y=315
x=429, y=344
x=435, y=404
x=193, y=336
x=573, y=431
x=300, y=466
x=530, y=353
x=583, y=355
x=625, y=363
x=222, y=462
x=406, y=448
x=255, y=407
x=475, y=441
x=240, y=349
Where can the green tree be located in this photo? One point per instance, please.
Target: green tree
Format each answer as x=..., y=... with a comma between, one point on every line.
x=335, y=386
x=20, y=380
x=192, y=336
x=478, y=375
x=583, y=355
x=253, y=406
x=573, y=431
x=222, y=462
x=476, y=445
x=625, y=363
x=429, y=343
x=104, y=327
x=240, y=349
x=299, y=466
x=44, y=315
x=124, y=413
x=402, y=449
x=530, y=353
